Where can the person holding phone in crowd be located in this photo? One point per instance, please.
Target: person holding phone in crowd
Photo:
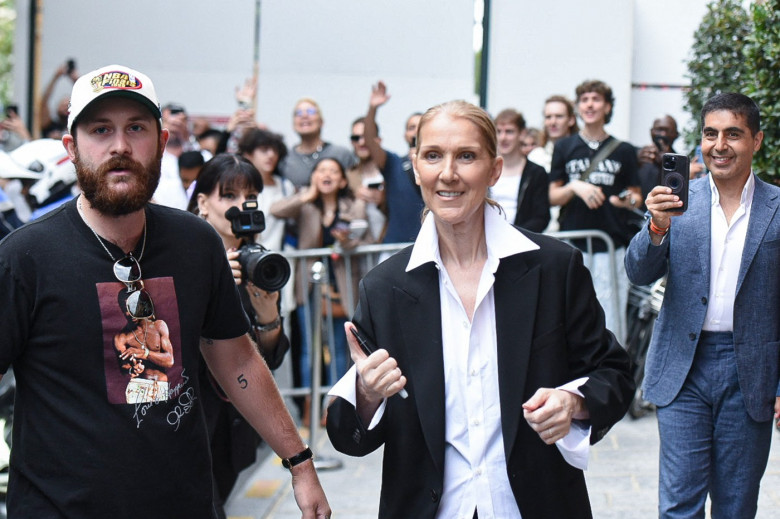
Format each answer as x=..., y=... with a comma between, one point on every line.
x=712, y=367
x=228, y=180
x=496, y=334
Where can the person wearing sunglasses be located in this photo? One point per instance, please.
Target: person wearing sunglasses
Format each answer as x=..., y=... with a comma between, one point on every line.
x=307, y=123
x=70, y=281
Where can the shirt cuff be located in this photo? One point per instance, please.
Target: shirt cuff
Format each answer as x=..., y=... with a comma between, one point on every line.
x=346, y=388
x=575, y=446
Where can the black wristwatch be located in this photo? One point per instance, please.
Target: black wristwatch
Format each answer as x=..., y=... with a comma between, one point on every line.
x=305, y=454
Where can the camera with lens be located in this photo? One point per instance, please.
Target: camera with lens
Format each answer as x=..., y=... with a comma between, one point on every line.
x=268, y=270
x=675, y=174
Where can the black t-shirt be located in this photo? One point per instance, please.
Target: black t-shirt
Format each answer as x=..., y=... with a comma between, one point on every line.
x=571, y=158
x=79, y=448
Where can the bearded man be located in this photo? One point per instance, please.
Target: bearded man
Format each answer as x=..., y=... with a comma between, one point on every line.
x=60, y=281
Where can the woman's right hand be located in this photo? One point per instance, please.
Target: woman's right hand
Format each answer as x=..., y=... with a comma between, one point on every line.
x=310, y=193
x=379, y=376
x=235, y=266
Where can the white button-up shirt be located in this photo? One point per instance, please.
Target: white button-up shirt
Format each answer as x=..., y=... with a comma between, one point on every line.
x=475, y=472
x=727, y=241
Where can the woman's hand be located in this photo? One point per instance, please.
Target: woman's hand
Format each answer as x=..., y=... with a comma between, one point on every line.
x=550, y=412
x=235, y=266
x=379, y=376
x=309, y=193
x=264, y=303
x=341, y=234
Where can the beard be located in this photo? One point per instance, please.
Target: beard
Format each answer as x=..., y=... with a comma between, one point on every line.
x=100, y=190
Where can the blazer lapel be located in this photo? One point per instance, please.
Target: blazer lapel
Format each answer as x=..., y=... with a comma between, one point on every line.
x=763, y=209
x=420, y=327
x=516, y=291
x=699, y=224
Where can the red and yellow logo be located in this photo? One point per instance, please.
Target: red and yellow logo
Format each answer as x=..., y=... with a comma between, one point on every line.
x=115, y=80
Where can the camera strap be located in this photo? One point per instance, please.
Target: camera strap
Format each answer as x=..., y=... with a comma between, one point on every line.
x=604, y=152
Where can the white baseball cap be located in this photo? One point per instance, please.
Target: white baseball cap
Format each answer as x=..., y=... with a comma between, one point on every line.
x=112, y=80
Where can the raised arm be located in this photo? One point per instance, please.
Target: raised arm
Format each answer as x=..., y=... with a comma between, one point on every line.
x=379, y=96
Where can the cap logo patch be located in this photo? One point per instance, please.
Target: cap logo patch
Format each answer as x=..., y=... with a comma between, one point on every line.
x=115, y=80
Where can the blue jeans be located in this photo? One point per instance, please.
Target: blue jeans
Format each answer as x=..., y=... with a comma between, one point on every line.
x=339, y=350
x=709, y=443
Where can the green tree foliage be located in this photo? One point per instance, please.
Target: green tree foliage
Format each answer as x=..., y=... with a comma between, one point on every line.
x=7, y=24
x=717, y=63
x=762, y=53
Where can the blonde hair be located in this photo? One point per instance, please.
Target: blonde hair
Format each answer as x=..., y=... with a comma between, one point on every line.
x=464, y=110
x=460, y=109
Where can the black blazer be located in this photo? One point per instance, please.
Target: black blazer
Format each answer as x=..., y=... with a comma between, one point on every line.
x=550, y=331
x=533, y=198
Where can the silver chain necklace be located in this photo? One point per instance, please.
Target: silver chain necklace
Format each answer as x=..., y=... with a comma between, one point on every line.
x=83, y=217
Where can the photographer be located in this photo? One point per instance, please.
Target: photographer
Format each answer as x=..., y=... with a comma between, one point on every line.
x=226, y=182
x=663, y=133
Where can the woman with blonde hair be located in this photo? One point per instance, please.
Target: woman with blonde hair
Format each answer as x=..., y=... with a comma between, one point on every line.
x=496, y=334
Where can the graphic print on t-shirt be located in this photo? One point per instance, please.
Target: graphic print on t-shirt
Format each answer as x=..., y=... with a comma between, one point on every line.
x=134, y=376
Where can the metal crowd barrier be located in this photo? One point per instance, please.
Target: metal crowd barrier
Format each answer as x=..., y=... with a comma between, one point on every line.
x=369, y=255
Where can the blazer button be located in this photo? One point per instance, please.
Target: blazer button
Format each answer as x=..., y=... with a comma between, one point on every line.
x=434, y=496
x=692, y=336
x=704, y=300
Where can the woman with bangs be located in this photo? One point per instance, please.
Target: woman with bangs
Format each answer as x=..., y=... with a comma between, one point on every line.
x=226, y=181
x=496, y=334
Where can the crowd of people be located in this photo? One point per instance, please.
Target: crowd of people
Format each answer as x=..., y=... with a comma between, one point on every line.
x=474, y=193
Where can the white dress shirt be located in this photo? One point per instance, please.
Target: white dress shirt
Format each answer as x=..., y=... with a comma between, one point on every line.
x=727, y=240
x=475, y=472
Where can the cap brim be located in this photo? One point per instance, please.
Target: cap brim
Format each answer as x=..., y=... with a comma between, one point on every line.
x=128, y=94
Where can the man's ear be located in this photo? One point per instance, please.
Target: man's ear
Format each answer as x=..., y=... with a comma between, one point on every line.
x=164, y=134
x=70, y=146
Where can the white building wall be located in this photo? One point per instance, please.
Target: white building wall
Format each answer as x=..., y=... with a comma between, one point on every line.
x=537, y=51
x=334, y=50
x=198, y=51
x=663, y=36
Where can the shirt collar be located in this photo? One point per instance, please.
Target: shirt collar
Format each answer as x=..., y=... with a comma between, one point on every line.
x=503, y=240
x=747, y=192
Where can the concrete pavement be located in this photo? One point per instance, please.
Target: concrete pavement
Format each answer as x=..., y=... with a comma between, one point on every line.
x=622, y=480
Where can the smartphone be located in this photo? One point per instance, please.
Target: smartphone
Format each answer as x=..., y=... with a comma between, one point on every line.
x=70, y=66
x=368, y=348
x=675, y=172
x=341, y=225
x=11, y=110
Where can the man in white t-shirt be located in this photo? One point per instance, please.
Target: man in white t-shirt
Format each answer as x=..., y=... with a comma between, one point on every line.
x=522, y=188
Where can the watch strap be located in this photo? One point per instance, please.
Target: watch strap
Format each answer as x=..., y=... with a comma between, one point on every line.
x=273, y=325
x=305, y=454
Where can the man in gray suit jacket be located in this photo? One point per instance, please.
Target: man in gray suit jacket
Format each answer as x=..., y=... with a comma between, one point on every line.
x=712, y=368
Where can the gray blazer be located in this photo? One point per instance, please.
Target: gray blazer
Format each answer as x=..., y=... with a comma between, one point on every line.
x=685, y=257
